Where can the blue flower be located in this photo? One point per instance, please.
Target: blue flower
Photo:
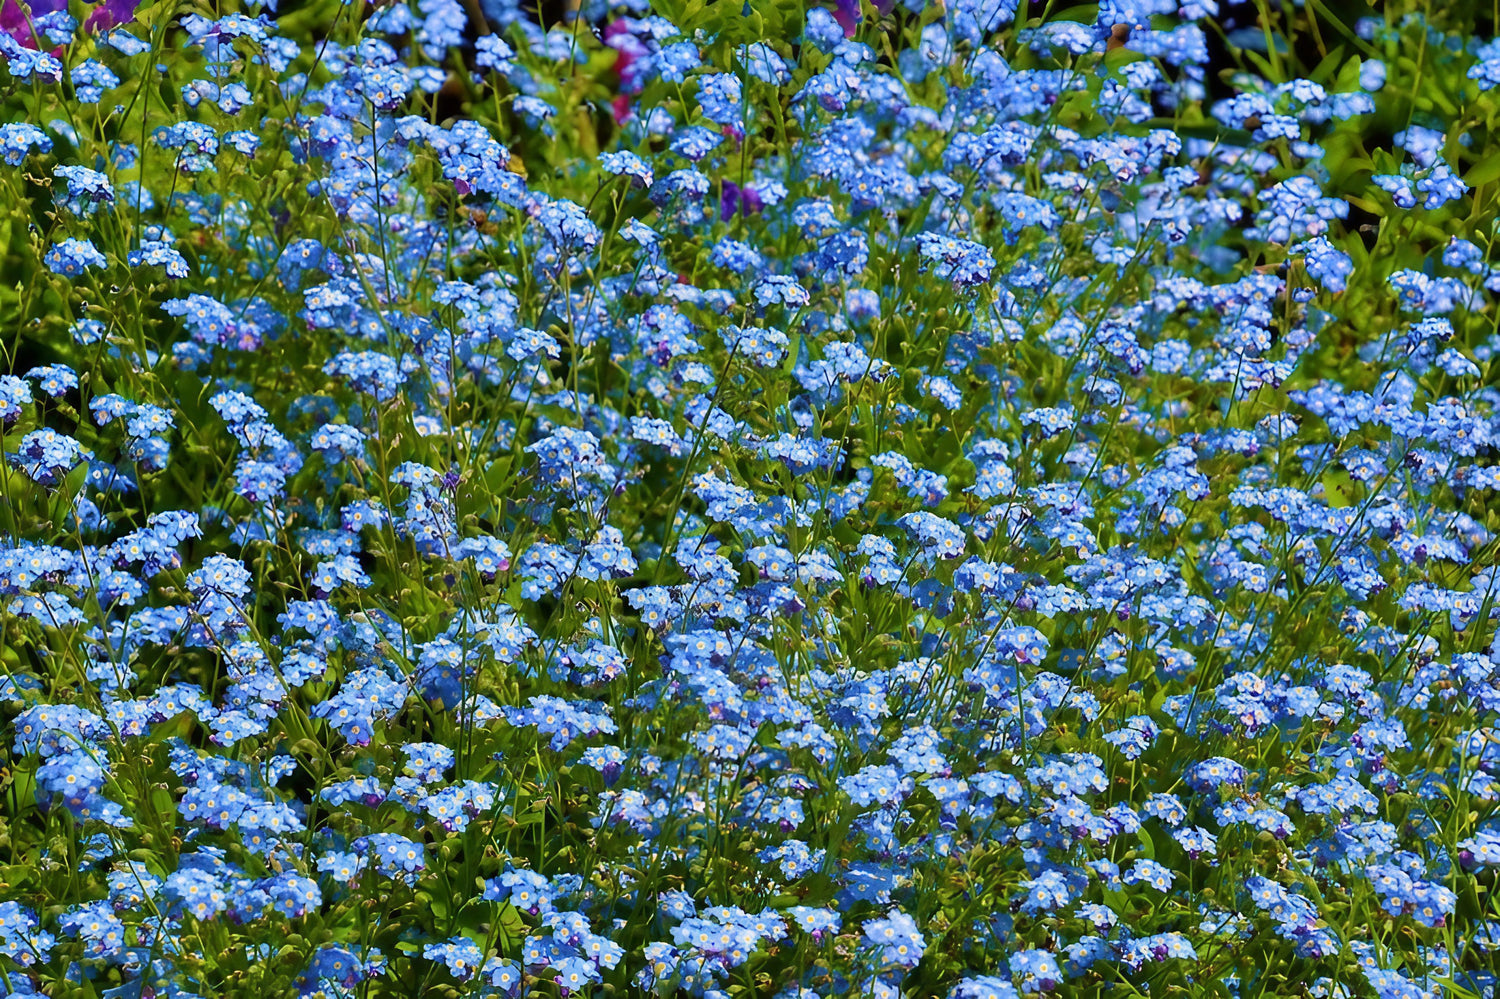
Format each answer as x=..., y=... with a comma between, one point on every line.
x=72, y=257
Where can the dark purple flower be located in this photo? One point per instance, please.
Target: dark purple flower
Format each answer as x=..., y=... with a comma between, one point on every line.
x=111, y=14
x=847, y=13
x=735, y=199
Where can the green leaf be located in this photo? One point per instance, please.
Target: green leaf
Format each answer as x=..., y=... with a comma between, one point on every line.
x=511, y=924
x=1338, y=488
x=1486, y=171
x=1148, y=845
x=1330, y=65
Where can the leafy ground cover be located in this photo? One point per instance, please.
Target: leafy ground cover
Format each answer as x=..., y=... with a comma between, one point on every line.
x=749, y=500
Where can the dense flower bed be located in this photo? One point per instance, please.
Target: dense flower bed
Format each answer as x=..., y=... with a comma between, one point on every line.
x=748, y=500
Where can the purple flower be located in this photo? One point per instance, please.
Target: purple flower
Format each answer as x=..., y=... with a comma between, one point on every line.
x=14, y=20
x=735, y=199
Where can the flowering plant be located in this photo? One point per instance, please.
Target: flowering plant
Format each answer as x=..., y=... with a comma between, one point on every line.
x=748, y=500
